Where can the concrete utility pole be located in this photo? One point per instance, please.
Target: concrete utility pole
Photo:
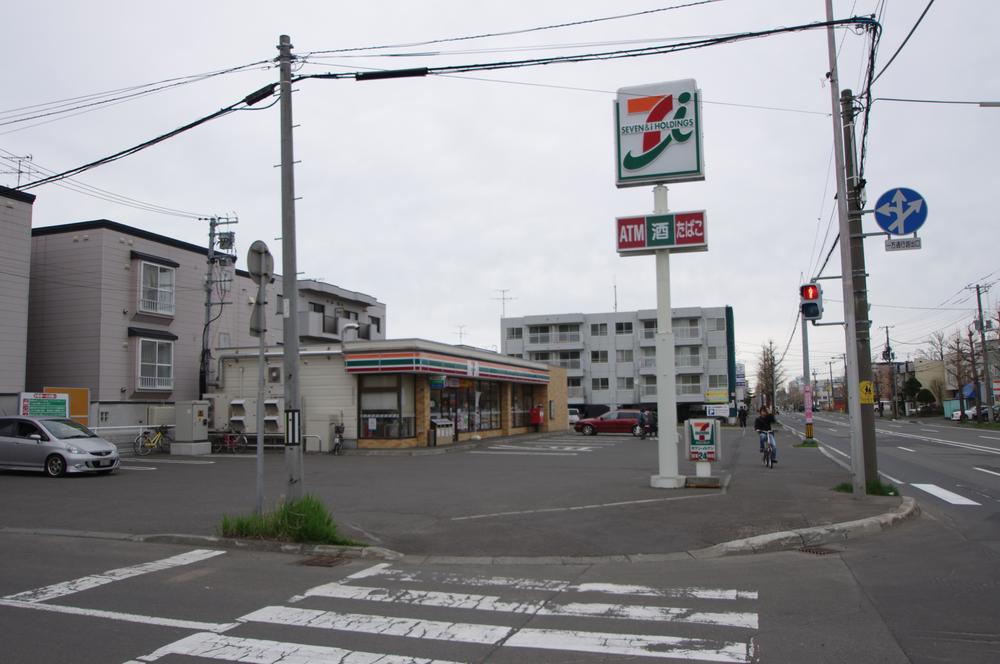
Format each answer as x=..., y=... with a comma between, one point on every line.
x=890, y=358
x=975, y=374
x=987, y=381
x=205, y=371
x=290, y=286
x=859, y=285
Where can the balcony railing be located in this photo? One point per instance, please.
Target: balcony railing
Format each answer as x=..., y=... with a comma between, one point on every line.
x=567, y=364
x=647, y=363
x=162, y=304
x=539, y=338
x=575, y=392
x=649, y=333
x=688, y=389
x=687, y=361
x=649, y=390
x=687, y=332
x=567, y=337
x=156, y=383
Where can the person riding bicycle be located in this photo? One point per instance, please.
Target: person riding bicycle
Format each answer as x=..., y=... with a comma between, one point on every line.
x=763, y=425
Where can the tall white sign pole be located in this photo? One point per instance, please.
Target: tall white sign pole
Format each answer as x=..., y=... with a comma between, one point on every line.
x=666, y=381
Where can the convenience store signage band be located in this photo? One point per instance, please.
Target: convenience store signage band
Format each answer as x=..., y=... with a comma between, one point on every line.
x=675, y=232
x=658, y=134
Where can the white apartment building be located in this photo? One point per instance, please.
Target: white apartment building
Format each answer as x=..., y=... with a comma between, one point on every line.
x=610, y=358
x=15, y=269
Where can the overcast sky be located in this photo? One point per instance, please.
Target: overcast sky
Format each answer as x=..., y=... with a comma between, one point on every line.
x=433, y=194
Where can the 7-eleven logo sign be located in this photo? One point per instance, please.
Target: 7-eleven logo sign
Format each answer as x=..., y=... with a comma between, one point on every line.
x=658, y=134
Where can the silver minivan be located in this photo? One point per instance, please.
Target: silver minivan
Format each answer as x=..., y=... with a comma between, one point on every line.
x=55, y=446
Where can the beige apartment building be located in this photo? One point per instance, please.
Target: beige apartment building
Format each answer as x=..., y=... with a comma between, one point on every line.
x=15, y=269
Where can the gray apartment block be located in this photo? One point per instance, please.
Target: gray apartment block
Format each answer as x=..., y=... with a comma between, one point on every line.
x=15, y=268
x=610, y=358
x=121, y=311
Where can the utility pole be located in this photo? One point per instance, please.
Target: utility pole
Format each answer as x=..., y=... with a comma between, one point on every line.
x=987, y=381
x=829, y=363
x=289, y=286
x=865, y=414
x=847, y=270
x=214, y=239
x=975, y=374
x=890, y=358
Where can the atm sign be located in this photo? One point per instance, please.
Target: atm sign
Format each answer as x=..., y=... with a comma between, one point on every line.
x=677, y=231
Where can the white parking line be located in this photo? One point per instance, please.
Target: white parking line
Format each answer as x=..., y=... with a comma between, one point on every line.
x=945, y=495
x=983, y=470
x=905, y=449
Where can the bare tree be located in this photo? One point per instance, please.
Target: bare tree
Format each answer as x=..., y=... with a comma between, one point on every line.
x=937, y=345
x=959, y=367
x=769, y=374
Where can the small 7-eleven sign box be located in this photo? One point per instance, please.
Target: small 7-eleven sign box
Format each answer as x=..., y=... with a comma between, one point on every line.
x=704, y=440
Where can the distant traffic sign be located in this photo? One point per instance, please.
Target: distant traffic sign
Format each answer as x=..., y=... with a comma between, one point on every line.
x=900, y=211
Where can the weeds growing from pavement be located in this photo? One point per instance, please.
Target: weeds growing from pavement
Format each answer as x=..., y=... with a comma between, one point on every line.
x=305, y=520
x=876, y=488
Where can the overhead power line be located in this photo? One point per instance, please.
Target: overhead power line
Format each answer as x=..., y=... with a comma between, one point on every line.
x=509, y=33
x=910, y=34
x=249, y=100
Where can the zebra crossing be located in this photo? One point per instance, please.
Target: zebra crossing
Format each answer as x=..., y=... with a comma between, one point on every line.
x=563, y=444
x=443, y=617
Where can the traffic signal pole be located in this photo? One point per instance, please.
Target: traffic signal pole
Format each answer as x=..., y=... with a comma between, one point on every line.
x=808, y=386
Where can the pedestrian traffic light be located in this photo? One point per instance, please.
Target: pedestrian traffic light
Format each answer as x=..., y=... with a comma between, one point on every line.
x=811, y=301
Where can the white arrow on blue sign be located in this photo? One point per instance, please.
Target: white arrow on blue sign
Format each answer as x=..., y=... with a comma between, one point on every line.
x=900, y=211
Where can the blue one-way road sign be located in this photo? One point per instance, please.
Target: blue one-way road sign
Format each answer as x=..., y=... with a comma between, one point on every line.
x=900, y=211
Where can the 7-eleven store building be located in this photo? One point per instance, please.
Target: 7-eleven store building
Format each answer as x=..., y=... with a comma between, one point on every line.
x=404, y=393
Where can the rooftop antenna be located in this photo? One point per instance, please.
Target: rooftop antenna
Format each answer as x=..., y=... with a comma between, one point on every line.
x=503, y=300
x=615, y=286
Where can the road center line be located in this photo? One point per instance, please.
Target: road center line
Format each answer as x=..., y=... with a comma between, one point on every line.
x=95, y=580
x=983, y=470
x=905, y=449
x=991, y=437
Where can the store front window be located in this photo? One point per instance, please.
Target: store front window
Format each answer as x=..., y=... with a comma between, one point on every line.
x=520, y=404
x=386, y=406
x=473, y=405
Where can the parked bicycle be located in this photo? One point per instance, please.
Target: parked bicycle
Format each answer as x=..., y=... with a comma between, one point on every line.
x=338, y=439
x=231, y=441
x=151, y=440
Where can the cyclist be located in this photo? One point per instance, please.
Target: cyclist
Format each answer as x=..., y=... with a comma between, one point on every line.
x=763, y=425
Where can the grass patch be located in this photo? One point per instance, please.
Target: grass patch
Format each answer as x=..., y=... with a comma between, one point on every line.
x=807, y=443
x=876, y=488
x=305, y=521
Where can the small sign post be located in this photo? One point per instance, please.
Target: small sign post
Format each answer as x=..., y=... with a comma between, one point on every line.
x=704, y=440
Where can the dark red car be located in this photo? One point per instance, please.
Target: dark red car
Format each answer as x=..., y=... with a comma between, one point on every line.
x=613, y=421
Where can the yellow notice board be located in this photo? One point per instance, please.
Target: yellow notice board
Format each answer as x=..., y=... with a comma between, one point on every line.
x=867, y=392
x=79, y=402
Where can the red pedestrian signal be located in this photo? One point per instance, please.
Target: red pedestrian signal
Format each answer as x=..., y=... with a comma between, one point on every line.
x=811, y=301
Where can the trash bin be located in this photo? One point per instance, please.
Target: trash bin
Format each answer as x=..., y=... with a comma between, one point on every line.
x=442, y=431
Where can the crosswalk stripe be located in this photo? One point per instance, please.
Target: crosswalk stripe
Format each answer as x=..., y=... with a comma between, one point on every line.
x=540, y=608
x=551, y=585
x=233, y=649
x=95, y=580
x=945, y=495
x=643, y=645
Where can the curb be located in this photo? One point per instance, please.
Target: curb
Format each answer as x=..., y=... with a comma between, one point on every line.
x=788, y=540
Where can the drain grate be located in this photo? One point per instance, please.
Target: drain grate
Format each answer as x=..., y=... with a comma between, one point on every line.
x=818, y=550
x=324, y=561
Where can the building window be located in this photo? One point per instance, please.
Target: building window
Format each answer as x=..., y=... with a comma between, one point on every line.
x=598, y=384
x=649, y=386
x=718, y=381
x=574, y=386
x=687, y=356
x=385, y=406
x=713, y=352
x=538, y=334
x=624, y=355
x=686, y=328
x=598, y=357
x=315, y=307
x=156, y=364
x=157, y=291
x=376, y=323
x=649, y=329
x=568, y=333
x=623, y=328
x=626, y=383
x=688, y=384
x=515, y=332
x=569, y=359
x=716, y=324
x=351, y=315
x=543, y=356
x=598, y=329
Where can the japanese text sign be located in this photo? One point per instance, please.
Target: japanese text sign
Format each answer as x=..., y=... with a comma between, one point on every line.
x=675, y=232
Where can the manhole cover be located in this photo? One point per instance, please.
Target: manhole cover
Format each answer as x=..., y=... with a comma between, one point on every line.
x=324, y=561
